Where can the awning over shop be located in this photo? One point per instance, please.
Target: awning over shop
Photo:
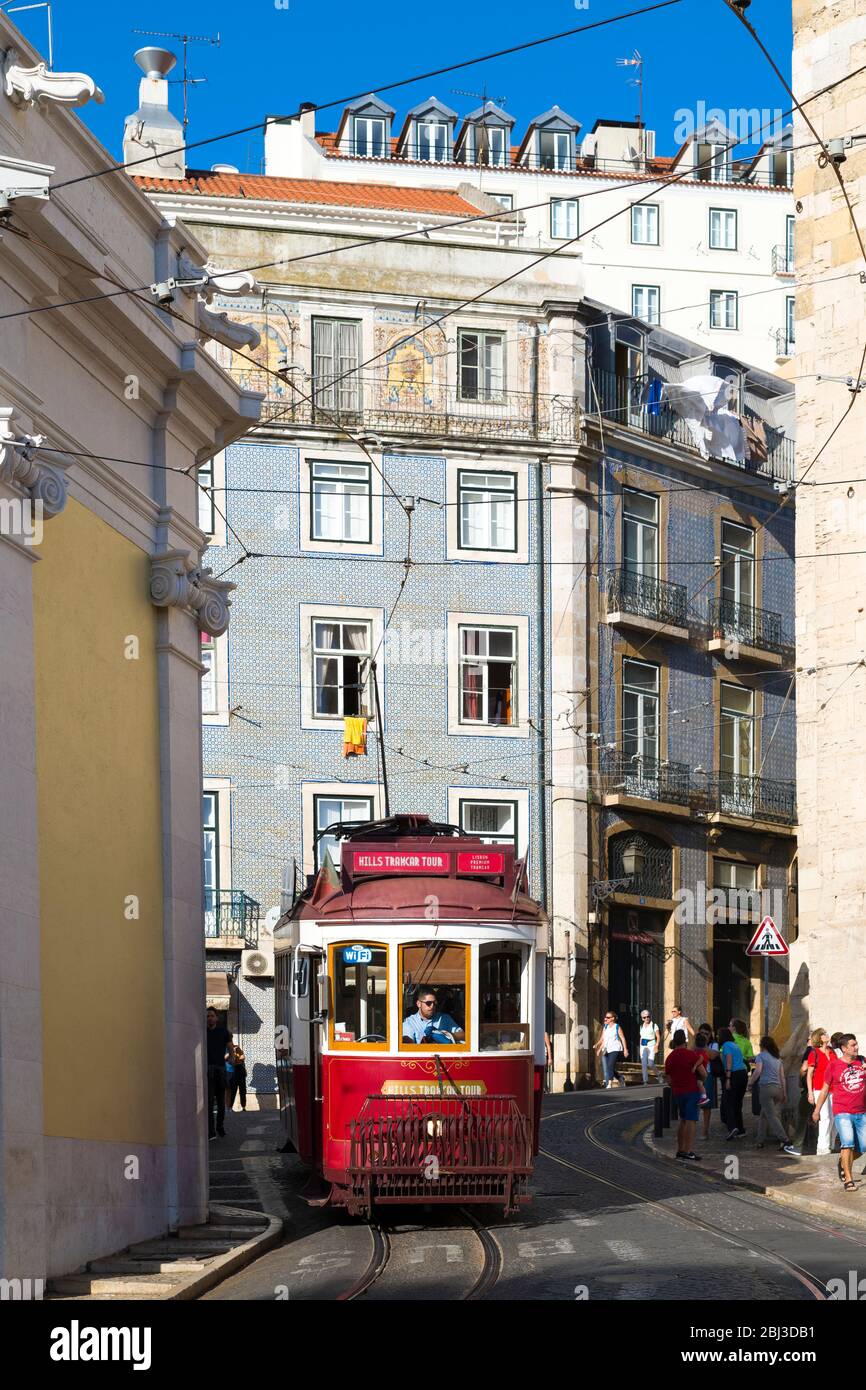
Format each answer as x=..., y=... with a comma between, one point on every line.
x=217, y=990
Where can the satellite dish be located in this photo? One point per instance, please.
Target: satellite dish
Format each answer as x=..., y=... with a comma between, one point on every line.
x=271, y=919
x=155, y=62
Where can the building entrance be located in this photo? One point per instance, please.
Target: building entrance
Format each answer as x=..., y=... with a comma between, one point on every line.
x=635, y=979
x=733, y=992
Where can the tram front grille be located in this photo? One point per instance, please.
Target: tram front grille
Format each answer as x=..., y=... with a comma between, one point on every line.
x=440, y=1149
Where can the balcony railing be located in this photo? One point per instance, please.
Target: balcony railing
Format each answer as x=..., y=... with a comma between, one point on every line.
x=783, y=261
x=647, y=778
x=646, y=597
x=757, y=798
x=231, y=916
x=737, y=904
x=784, y=343
x=416, y=407
x=623, y=402
x=751, y=627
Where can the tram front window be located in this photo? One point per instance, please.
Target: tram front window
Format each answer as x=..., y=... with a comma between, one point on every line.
x=500, y=1000
x=360, y=976
x=434, y=979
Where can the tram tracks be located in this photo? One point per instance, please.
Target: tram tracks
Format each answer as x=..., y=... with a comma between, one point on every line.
x=383, y=1243
x=750, y=1247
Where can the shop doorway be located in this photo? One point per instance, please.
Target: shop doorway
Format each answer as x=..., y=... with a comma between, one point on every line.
x=636, y=973
x=733, y=991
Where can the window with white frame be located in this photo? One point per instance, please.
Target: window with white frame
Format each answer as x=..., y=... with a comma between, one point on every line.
x=336, y=362
x=563, y=218
x=369, y=136
x=209, y=693
x=331, y=810
x=505, y=199
x=488, y=675
x=645, y=224
x=487, y=510
x=640, y=715
x=789, y=245
x=555, y=149
x=724, y=308
x=481, y=364
x=341, y=501
x=493, y=145
x=790, y=305
x=210, y=856
x=495, y=822
x=341, y=652
x=646, y=302
x=206, y=505
x=640, y=533
x=723, y=229
x=431, y=141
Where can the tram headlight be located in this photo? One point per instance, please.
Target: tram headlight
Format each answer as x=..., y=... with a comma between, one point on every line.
x=434, y=1128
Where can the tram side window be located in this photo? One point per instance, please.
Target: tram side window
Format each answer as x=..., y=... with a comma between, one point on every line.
x=502, y=1000
x=435, y=979
x=360, y=976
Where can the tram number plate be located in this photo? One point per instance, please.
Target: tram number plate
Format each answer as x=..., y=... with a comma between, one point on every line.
x=357, y=955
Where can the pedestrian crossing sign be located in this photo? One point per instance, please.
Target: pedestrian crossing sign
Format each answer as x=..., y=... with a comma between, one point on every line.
x=767, y=941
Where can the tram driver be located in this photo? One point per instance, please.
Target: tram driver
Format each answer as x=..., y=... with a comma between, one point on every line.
x=428, y=1026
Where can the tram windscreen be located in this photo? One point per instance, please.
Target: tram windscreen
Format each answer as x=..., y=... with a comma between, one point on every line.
x=500, y=998
x=434, y=979
x=360, y=994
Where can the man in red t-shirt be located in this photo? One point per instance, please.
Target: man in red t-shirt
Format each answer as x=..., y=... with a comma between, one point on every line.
x=684, y=1070
x=845, y=1083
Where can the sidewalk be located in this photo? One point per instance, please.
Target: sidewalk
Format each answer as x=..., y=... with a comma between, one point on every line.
x=810, y=1184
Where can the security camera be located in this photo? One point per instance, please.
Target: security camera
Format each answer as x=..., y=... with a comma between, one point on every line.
x=836, y=151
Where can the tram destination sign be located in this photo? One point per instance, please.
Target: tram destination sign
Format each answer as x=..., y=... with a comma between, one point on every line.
x=398, y=861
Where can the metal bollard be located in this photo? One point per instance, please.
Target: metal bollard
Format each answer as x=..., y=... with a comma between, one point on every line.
x=658, y=1117
x=666, y=1106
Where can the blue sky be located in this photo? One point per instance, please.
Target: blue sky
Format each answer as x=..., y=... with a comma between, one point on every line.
x=275, y=54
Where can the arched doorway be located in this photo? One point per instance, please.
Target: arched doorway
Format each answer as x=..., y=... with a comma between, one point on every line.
x=636, y=934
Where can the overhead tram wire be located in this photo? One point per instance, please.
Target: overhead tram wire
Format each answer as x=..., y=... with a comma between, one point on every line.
x=378, y=87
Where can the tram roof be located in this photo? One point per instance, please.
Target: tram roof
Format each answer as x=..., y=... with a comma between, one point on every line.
x=400, y=865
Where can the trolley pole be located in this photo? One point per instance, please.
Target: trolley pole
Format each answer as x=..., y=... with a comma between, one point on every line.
x=380, y=735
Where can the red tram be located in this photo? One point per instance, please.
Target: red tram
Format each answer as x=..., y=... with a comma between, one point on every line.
x=410, y=989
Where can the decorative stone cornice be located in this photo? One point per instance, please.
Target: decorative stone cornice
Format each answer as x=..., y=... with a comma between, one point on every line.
x=202, y=282
x=177, y=581
x=226, y=330
x=43, y=482
x=28, y=86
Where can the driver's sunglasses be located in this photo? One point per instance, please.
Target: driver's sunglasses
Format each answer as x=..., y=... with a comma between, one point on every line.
x=424, y=1002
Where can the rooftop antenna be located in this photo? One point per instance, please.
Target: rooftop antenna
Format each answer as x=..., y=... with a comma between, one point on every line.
x=636, y=61
x=482, y=96
x=42, y=5
x=186, y=81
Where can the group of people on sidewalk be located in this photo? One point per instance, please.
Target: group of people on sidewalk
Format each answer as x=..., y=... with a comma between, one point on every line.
x=226, y=1072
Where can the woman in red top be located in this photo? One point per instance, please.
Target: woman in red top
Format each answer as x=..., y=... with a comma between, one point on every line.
x=816, y=1069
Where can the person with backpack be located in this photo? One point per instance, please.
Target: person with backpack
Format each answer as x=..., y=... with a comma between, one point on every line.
x=769, y=1074
x=613, y=1048
x=650, y=1042
x=706, y=1044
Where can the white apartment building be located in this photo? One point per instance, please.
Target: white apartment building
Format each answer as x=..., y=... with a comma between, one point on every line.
x=709, y=255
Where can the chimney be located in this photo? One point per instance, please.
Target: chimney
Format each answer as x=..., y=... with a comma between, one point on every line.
x=153, y=130
x=308, y=119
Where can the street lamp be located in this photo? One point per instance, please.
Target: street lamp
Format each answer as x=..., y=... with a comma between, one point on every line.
x=633, y=859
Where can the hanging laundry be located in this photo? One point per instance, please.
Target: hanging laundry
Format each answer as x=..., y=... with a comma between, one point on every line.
x=354, y=737
x=756, y=438
x=653, y=400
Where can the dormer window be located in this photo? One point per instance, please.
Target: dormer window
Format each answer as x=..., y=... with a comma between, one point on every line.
x=555, y=149
x=369, y=137
x=432, y=140
x=713, y=163
x=491, y=146
x=485, y=137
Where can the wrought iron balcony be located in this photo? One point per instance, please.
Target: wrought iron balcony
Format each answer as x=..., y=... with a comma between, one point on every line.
x=757, y=798
x=410, y=405
x=737, y=904
x=783, y=261
x=624, y=402
x=784, y=343
x=645, y=596
x=646, y=778
x=231, y=916
x=750, y=627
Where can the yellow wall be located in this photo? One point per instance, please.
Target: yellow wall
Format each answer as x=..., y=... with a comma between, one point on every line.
x=97, y=734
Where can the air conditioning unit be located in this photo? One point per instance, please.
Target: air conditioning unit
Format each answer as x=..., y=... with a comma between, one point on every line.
x=258, y=964
x=649, y=144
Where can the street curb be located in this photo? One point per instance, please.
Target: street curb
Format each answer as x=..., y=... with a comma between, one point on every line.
x=233, y=1260
x=782, y=1196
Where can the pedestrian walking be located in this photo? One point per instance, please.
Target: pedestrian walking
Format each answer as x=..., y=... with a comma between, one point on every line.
x=816, y=1070
x=804, y=1105
x=685, y=1071
x=845, y=1083
x=706, y=1044
x=740, y=1034
x=613, y=1049
x=218, y=1039
x=675, y=1023
x=650, y=1042
x=733, y=1086
x=769, y=1075
x=239, y=1078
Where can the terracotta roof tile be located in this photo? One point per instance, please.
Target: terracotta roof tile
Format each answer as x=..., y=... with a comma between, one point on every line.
x=261, y=187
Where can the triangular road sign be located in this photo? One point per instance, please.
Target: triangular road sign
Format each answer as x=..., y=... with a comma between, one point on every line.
x=767, y=941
